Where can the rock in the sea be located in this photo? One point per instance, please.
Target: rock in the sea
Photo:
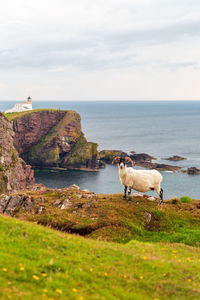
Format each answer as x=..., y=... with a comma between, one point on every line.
x=175, y=158
x=107, y=156
x=141, y=157
x=53, y=139
x=14, y=172
x=160, y=167
x=193, y=171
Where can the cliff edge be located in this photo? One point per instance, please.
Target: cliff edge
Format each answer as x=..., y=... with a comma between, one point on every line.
x=14, y=172
x=53, y=139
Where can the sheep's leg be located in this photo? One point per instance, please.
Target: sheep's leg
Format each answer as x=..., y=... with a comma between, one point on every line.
x=161, y=196
x=160, y=193
x=129, y=194
x=125, y=190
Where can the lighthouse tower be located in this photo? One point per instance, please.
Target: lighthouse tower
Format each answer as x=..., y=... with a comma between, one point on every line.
x=18, y=107
x=29, y=100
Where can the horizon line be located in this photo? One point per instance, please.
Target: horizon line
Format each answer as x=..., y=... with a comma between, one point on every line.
x=101, y=100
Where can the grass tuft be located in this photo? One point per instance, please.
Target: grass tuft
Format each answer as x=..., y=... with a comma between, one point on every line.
x=185, y=199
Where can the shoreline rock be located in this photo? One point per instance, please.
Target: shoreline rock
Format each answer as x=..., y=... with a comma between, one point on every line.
x=175, y=158
x=140, y=159
x=107, y=156
x=160, y=167
x=193, y=171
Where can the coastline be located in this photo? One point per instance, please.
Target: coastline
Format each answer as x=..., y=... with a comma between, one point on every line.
x=154, y=127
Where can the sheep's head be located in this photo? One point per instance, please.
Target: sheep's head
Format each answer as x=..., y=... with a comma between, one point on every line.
x=122, y=161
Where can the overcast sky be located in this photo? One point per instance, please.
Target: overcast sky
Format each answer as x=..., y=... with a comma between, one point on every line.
x=100, y=49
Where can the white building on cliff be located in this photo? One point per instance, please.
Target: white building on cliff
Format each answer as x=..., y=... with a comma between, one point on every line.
x=18, y=107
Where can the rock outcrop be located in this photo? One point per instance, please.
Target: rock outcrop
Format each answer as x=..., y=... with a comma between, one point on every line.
x=107, y=156
x=53, y=139
x=14, y=173
x=193, y=171
x=175, y=158
x=159, y=167
x=141, y=157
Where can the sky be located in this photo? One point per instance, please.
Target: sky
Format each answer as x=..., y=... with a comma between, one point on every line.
x=100, y=49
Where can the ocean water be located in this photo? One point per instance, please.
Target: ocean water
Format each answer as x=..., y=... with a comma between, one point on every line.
x=159, y=128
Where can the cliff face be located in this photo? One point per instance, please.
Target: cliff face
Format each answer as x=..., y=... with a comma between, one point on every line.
x=31, y=127
x=14, y=173
x=53, y=138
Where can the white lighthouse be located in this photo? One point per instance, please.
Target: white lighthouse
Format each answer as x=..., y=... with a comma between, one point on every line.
x=18, y=107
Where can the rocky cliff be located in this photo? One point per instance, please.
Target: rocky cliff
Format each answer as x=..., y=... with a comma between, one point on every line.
x=14, y=173
x=53, y=139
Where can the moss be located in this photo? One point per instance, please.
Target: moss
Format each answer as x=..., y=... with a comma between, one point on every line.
x=92, y=151
x=1, y=168
x=52, y=156
x=79, y=154
x=38, y=152
x=3, y=182
x=14, y=156
x=108, y=155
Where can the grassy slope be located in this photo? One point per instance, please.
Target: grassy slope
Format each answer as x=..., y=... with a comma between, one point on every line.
x=11, y=116
x=78, y=268
x=109, y=218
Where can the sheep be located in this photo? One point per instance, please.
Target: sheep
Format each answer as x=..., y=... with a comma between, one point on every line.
x=139, y=180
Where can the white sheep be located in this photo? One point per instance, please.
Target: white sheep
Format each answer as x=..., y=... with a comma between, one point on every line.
x=139, y=180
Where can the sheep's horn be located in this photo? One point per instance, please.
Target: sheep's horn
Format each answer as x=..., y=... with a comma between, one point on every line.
x=129, y=159
x=117, y=157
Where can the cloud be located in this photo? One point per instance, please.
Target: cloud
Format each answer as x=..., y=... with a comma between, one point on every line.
x=102, y=35
x=186, y=64
x=89, y=47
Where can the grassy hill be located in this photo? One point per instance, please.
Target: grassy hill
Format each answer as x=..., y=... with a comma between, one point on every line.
x=40, y=263
x=124, y=254
x=108, y=217
x=12, y=116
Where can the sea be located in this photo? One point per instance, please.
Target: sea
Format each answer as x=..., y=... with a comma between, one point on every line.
x=159, y=128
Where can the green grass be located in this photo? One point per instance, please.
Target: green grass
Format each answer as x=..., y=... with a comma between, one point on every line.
x=78, y=268
x=11, y=116
x=185, y=199
x=109, y=218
